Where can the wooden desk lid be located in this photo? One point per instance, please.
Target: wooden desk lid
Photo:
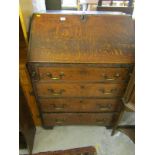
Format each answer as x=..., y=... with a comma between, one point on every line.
x=81, y=38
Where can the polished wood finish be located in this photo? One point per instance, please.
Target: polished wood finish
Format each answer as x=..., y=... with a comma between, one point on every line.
x=82, y=73
x=69, y=40
x=79, y=105
x=80, y=65
x=106, y=119
x=28, y=92
x=79, y=90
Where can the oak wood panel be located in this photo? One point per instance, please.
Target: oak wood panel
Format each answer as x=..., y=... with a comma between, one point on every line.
x=78, y=119
x=79, y=90
x=67, y=52
x=80, y=105
x=27, y=87
x=84, y=73
x=76, y=39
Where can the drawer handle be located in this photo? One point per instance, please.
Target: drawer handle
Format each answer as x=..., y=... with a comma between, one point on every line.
x=112, y=91
x=55, y=78
x=58, y=108
x=108, y=93
x=56, y=93
x=101, y=107
x=59, y=121
x=117, y=75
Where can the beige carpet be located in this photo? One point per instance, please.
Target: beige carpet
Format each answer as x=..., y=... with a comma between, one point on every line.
x=68, y=137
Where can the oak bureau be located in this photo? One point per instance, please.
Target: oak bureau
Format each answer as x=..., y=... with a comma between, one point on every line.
x=80, y=64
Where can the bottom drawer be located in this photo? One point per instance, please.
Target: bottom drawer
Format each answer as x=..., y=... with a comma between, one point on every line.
x=106, y=119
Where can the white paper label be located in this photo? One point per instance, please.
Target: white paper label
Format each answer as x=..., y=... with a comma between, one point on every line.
x=62, y=18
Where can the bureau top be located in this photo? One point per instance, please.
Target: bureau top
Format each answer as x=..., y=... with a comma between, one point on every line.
x=90, y=37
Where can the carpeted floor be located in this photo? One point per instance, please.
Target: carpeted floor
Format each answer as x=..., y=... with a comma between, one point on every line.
x=68, y=137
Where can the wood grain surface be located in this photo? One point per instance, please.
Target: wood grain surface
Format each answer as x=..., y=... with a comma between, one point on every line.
x=79, y=105
x=82, y=73
x=79, y=65
x=79, y=90
x=78, y=38
x=78, y=119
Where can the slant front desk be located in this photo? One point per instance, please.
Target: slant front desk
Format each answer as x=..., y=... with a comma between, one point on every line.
x=80, y=65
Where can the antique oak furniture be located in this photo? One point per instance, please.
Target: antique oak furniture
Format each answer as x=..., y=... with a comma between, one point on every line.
x=79, y=64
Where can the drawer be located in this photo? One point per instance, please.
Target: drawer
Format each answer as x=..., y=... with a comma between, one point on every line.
x=80, y=105
x=77, y=73
x=79, y=90
x=79, y=119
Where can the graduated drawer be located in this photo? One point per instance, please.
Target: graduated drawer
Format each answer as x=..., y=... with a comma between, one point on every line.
x=83, y=73
x=79, y=90
x=79, y=105
x=78, y=119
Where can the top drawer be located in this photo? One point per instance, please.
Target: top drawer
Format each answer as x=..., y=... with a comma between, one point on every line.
x=78, y=73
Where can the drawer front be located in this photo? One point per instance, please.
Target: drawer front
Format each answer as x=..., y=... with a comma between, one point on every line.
x=79, y=119
x=80, y=105
x=79, y=90
x=82, y=74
